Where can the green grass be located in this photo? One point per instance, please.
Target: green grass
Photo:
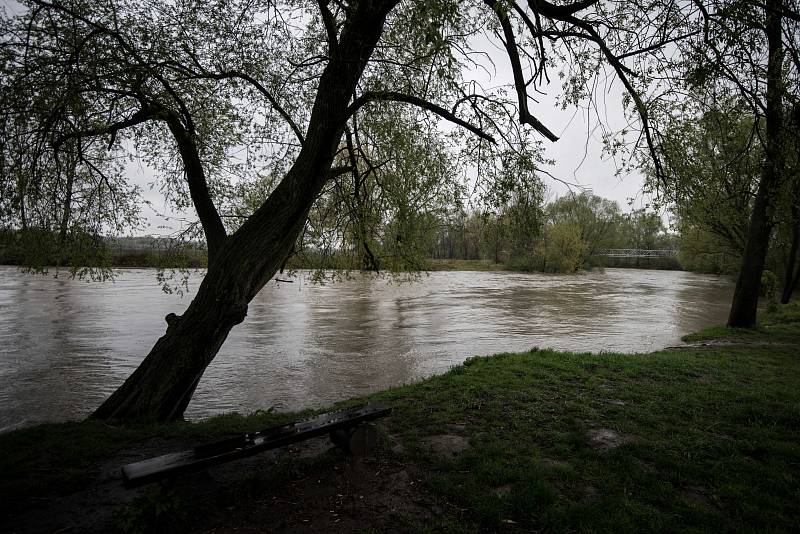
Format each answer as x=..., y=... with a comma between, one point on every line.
x=778, y=326
x=713, y=439
x=710, y=438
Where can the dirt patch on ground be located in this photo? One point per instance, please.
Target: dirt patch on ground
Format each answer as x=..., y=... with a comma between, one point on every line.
x=698, y=495
x=94, y=508
x=396, y=444
x=503, y=491
x=446, y=445
x=312, y=487
x=350, y=496
x=606, y=439
x=590, y=494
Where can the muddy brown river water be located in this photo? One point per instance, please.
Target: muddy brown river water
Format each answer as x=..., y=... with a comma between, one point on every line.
x=66, y=344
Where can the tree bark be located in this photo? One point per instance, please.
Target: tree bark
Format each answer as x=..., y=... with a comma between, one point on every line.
x=745, y=298
x=792, y=276
x=162, y=386
x=195, y=175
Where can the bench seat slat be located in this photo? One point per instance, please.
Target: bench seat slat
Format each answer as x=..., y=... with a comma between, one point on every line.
x=153, y=469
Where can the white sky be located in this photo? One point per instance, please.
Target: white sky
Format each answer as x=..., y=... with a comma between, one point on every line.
x=578, y=153
x=578, y=156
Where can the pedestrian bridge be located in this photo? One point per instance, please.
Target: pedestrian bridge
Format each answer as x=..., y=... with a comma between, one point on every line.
x=638, y=253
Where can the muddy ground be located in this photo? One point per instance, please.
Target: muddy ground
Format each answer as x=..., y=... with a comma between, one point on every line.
x=310, y=487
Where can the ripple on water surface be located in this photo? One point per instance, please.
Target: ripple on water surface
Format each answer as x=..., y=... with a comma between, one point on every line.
x=67, y=344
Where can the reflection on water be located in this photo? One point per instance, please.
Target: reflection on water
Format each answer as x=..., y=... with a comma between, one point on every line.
x=65, y=344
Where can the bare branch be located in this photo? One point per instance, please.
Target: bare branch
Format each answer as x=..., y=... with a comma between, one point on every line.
x=536, y=30
x=622, y=73
x=141, y=116
x=338, y=171
x=263, y=90
x=198, y=187
x=392, y=96
x=510, y=43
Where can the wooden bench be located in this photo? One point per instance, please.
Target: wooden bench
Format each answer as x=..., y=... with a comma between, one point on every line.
x=346, y=429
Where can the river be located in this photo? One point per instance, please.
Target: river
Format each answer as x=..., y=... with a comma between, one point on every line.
x=67, y=344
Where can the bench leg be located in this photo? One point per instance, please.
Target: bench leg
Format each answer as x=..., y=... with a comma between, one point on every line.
x=358, y=441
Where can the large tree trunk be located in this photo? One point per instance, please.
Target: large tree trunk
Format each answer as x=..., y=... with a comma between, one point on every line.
x=792, y=275
x=745, y=297
x=162, y=386
x=792, y=272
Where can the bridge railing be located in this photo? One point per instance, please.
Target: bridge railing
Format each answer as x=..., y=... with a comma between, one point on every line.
x=638, y=253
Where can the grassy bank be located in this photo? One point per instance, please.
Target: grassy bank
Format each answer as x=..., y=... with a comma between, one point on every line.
x=700, y=438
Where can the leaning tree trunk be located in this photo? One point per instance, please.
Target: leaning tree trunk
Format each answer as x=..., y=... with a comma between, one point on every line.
x=162, y=386
x=745, y=296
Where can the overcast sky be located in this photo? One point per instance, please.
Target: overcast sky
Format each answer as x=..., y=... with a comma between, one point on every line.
x=578, y=152
x=578, y=159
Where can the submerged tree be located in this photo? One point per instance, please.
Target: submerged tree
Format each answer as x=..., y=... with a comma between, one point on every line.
x=267, y=117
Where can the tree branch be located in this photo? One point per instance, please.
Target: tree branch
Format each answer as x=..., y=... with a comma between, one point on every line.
x=330, y=25
x=141, y=116
x=261, y=89
x=393, y=96
x=510, y=43
x=558, y=11
x=338, y=171
x=198, y=187
x=622, y=73
x=536, y=31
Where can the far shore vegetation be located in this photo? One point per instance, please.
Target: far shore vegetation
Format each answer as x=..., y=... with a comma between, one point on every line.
x=704, y=437
x=569, y=234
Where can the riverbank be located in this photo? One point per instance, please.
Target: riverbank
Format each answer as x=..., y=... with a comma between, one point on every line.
x=197, y=259
x=662, y=264
x=704, y=437
x=435, y=265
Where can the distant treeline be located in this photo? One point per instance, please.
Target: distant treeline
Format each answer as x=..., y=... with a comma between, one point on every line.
x=566, y=235
x=569, y=234
x=572, y=232
x=39, y=249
